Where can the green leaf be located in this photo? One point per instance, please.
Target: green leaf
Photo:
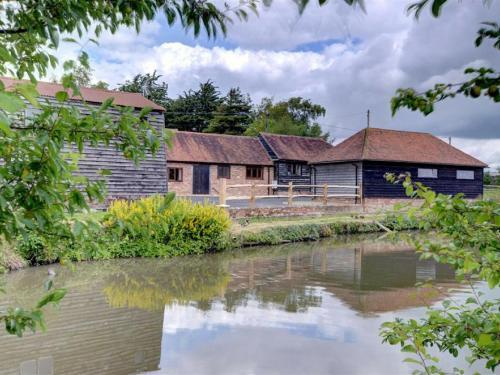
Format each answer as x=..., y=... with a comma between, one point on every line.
x=105, y=172
x=53, y=297
x=29, y=91
x=436, y=7
x=61, y=96
x=5, y=124
x=10, y=102
x=54, y=36
x=412, y=360
x=6, y=56
x=484, y=340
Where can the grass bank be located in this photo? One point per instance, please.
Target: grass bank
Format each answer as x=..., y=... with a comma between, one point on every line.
x=274, y=231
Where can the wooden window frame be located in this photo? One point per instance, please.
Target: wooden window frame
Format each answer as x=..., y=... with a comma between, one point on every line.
x=258, y=169
x=221, y=167
x=433, y=175
x=467, y=173
x=290, y=167
x=180, y=174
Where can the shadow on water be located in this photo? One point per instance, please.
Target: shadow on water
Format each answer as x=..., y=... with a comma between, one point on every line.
x=308, y=307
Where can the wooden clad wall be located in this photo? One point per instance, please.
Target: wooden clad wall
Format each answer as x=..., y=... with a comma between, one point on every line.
x=127, y=180
x=376, y=186
x=338, y=174
x=284, y=178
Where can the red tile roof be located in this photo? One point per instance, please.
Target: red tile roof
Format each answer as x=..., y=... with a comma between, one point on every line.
x=399, y=146
x=192, y=147
x=291, y=147
x=126, y=99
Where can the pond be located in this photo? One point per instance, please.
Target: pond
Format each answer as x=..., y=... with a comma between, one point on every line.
x=308, y=308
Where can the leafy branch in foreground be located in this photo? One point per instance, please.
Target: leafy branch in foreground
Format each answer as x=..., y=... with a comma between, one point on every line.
x=484, y=82
x=17, y=320
x=467, y=239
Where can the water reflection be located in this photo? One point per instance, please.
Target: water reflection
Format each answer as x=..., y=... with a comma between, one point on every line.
x=303, y=308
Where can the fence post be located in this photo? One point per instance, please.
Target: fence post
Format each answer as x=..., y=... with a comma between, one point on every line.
x=222, y=192
x=290, y=194
x=325, y=194
x=252, y=195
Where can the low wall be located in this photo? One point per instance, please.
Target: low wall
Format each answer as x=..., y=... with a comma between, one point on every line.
x=370, y=205
x=238, y=213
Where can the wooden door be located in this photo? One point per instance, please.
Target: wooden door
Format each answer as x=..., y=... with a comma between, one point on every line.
x=201, y=179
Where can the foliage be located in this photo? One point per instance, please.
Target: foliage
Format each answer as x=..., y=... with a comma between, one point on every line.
x=296, y=116
x=101, y=85
x=28, y=27
x=148, y=85
x=469, y=241
x=234, y=114
x=194, y=110
x=160, y=226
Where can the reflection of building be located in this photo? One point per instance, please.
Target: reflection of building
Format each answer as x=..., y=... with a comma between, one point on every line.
x=86, y=337
x=367, y=278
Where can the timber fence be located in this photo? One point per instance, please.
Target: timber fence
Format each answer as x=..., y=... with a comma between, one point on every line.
x=325, y=197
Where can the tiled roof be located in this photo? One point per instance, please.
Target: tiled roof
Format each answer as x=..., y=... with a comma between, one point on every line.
x=126, y=99
x=397, y=146
x=291, y=147
x=217, y=148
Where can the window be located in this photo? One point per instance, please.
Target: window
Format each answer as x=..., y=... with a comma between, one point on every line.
x=294, y=169
x=465, y=175
x=175, y=174
x=254, y=173
x=223, y=171
x=427, y=173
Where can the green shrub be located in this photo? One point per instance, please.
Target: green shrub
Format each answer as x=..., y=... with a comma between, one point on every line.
x=34, y=249
x=158, y=226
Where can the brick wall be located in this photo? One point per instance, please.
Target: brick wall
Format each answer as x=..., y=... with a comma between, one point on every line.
x=238, y=213
x=238, y=176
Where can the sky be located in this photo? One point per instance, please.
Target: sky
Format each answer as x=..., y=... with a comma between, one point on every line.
x=338, y=56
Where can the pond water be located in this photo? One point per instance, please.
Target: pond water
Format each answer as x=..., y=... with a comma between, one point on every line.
x=309, y=308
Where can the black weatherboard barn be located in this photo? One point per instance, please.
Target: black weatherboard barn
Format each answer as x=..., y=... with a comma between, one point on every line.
x=365, y=157
x=291, y=156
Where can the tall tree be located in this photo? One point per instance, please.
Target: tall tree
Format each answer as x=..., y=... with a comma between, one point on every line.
x=193, y=110
x=296, y=116
x=148, y=85
x=234, y=115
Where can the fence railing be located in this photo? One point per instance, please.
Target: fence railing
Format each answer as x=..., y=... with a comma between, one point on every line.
x=290, y=195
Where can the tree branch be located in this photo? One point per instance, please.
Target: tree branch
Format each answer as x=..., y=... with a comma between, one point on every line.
x=13, y=31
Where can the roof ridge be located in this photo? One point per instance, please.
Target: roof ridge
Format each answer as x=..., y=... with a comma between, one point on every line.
x=214, y=134
x=292, y=135
x=399, y=131
x=60, y=84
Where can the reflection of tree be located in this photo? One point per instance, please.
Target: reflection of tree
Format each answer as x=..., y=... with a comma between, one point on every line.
x=198, y=280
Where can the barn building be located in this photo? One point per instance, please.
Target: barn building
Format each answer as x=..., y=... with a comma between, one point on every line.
x=365, y=157
x=291, y=156
x=198, y=161
x=127, y=180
